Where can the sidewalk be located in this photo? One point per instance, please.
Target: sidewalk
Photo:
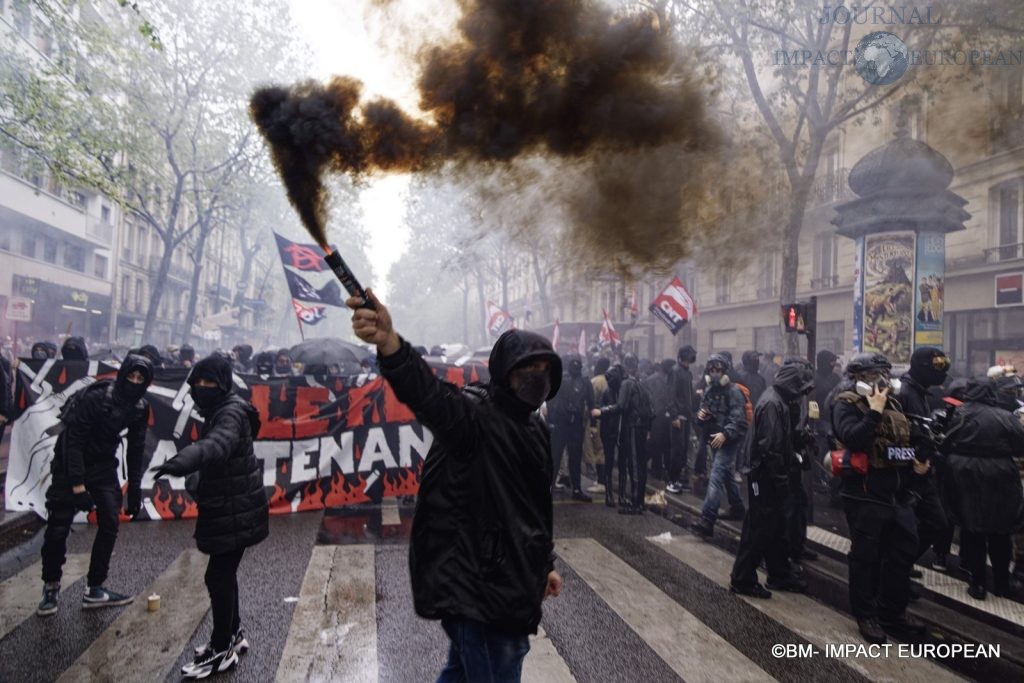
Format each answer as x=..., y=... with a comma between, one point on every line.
x=15, y=527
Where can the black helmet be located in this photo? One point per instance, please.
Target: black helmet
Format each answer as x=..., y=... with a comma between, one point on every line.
x=867, y=361
x=718, y=361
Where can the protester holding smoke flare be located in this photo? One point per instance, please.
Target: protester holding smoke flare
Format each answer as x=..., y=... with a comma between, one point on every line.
x=233, y=508
x=481, y=556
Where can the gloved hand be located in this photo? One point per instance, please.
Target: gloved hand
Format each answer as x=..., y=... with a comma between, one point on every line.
x=133, y=502
x=168, y=469
x=83, y=501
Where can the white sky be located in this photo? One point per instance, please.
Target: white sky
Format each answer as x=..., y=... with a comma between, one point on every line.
x=344, y=38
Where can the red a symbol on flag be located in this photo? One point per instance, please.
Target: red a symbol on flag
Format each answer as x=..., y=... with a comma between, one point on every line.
x=303, y=257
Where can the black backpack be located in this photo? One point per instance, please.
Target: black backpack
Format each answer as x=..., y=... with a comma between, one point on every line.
x=643, y=408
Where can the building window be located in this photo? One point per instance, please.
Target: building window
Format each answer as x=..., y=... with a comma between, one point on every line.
x=74, y=257
x=28, y=245
x=723, y=340
x=826, y=254
x=140, y=245
x=105, y=214
x=49, y=250
x=768, y=281
x=5, y=239
x=126, y=285
x=768, y=339
x=1008, y=197
x=722, y=282
x=830, y=336
x=100, y=267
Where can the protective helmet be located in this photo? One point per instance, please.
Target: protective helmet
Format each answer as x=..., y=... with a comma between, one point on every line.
x=718, y=361
x=866, y=362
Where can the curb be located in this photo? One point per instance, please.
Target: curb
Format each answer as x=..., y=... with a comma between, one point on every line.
x=17, y=527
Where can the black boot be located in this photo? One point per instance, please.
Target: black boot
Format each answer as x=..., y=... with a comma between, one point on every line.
x=902, y=626
x=872, y=630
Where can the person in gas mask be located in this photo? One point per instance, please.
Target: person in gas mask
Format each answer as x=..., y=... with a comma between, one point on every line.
x=771, y=455
x=983, y=487
x=569, y=414
x=83, y=476
x=722, y=422
x=871, y=427
x=283, y=366
x=481, y=557
x=928, y=368
x=233, y=508
x=74, y=349
x=635, y=413
x=682, y=408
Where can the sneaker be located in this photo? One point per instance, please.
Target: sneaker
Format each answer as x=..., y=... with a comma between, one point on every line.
x=977, y=592
x=916, y=574
x=48, y=605
x=755, y=591
x=239, y=645
x=559, y=486
x=209, y=662
x=791, y=584
x=596, y=488
x=702, y=528
x=902, y=626
x=98, y=596
x=872, y=631
x=674, y=487
x=581, y=497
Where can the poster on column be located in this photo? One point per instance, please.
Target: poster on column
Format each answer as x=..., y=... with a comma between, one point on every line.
x=931, y=271
x=858, y=297
x=888, y=295
x=324, y=441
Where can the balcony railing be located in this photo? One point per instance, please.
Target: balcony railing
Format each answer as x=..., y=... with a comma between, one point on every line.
x=1004, y=252
x=825, y=282
x=832, y=187
x=174, y=270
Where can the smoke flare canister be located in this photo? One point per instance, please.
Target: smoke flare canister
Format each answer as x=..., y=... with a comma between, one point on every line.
x=153, y=604
x=347, y=279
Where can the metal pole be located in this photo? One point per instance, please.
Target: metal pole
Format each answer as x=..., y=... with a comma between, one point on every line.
x=812, y=329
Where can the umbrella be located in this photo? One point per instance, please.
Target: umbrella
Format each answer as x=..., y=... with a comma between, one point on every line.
x=328, y=351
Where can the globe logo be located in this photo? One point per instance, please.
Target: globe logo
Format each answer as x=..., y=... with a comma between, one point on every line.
x=881, y=58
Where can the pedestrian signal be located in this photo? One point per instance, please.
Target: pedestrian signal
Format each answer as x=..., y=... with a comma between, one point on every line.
x=794, y=317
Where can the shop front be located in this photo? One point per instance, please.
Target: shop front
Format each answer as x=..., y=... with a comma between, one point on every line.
x=58, y=310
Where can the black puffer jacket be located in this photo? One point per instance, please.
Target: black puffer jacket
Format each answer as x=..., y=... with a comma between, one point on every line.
x=983, y=489
x=86, y=450
x=233, y=509
x=481, y=544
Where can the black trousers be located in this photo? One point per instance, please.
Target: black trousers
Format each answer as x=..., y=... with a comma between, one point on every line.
x=563, y=436
x=222, y=584
x=797, y=505
x=632, y=466
x=106, y=493
x=659, y=446
x=678, y=466
x=974, y=547
x=932, y=526
x=883, y=547
x=764, y=531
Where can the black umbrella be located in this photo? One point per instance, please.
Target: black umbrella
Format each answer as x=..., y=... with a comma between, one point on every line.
x=328, y=351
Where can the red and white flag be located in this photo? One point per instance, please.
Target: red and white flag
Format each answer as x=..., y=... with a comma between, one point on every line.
x=674, y=306
x=498, y=319
x=554, y=337
x=608, y=335
x=634, y=304
x=582, y=348
x=308, y=313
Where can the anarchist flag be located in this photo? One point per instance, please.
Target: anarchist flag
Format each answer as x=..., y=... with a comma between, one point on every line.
x=304, y=257
x=498, y=319
x=310, y=315
x=302, y=290
x=674, y=306
x=608, y=335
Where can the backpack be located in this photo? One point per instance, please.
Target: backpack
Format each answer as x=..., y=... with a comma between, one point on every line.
x=748, y=407
x=643, y=407
x=72, y=401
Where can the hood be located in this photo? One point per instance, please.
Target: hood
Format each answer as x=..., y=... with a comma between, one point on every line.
x=751, y=361
x=516, y=347
x=825, y=361
x=74, y=349
x=39, y=351
x=793, y=380
x=216, y=368
x=244, y=352
x=1007, y=389
x=264, y=362
x=980, y=390
x=687, y=354
x=152, y=353
x=923, y=366
x=132, y=363
x=187, y=353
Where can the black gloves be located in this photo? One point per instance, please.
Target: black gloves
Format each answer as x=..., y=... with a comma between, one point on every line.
x=82, y=501
x=134, y=501
x=168, y=469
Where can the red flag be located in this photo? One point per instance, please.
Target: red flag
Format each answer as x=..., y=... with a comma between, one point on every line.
x=498, y=320
x=608, y=335
x=554, y=337
x=674, y=306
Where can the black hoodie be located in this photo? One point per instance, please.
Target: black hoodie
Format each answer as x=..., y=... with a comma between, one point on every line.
x=74, y=349
x=481, y=545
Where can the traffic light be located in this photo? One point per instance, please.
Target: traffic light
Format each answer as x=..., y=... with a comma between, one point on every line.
x=794, y=317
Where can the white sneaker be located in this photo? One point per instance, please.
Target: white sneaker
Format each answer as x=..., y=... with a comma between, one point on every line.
x=674, y=487
x=596, y=488
x=209, y=662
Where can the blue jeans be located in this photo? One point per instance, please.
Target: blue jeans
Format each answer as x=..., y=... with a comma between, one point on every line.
x=479, y=653
x=721, y=479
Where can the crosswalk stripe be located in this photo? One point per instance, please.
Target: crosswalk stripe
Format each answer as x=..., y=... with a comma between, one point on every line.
x=333, y=634
x=803, y=615
x=141, y=645
x=937, y=582
x=686, y=644
x=21, y=593
x=543, y=664
x=389, y=515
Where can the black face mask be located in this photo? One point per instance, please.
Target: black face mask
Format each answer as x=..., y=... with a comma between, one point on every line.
x=264, y=369
x=575, y=369
x=206, y=398
x=534, y=388
x=129, y=392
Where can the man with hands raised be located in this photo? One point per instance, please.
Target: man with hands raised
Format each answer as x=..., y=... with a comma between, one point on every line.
x=481, y=556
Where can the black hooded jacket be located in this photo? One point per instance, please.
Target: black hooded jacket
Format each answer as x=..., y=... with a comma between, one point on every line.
x=481, y=545
x=750, y=377
x=233, y=507
x=93, y=419
x=983, y=490
x=776, y=417
x=74, y=349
